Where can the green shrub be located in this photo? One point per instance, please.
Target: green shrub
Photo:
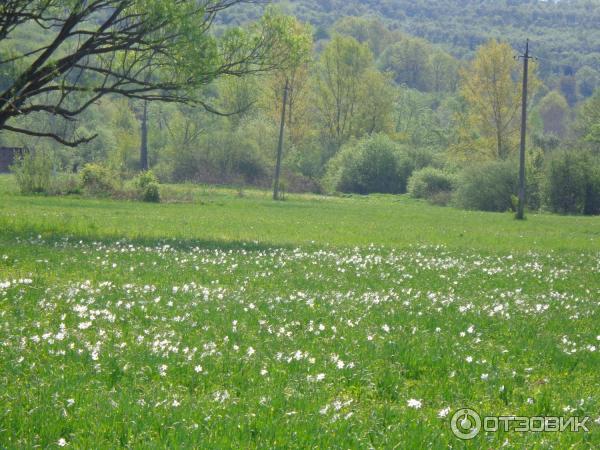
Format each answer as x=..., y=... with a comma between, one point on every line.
x=535, y=179
x=151, y=193
x=422, y=157
x=146, y=185
x=306, y=159
x=573, y=183
x=144, y=179
x=488, y=187
x=98, y=180
x=33, y=172
x=373, y=164
x=431, y=184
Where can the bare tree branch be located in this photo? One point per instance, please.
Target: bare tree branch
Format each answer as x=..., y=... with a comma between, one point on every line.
x=122, y=47
x=56, y=137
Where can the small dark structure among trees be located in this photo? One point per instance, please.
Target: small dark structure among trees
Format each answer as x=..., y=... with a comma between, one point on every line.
x=8, y=155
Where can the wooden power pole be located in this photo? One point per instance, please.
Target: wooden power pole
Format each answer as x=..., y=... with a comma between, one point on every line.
x=280, y=144
x=144, y=138
x=521, y=205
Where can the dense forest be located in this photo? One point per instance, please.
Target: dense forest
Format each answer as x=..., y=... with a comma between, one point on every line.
x=565, y=33
x=385, y=96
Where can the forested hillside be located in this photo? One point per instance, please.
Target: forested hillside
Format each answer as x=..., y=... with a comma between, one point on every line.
x=565, y=34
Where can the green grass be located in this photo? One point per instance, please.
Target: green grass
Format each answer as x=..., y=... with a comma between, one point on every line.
x=315, y=321
x=220, y=215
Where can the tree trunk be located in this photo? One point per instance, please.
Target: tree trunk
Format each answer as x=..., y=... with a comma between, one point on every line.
x=499, y=142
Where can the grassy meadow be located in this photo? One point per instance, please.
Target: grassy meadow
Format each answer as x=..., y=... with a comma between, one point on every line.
x=223, y=319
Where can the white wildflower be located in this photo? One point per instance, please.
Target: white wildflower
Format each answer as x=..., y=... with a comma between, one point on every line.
x=162, y=370
x=414, y=403
x=443, y=412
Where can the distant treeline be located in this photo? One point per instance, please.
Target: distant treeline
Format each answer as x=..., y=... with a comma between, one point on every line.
x=370, y=108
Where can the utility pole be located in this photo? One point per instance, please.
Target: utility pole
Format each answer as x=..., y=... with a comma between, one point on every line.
x=144, y=165
x=521, y=205
x=144, y=140
x=280, y=144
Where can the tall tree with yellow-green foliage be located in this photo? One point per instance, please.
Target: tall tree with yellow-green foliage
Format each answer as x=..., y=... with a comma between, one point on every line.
x=491, y=88
x=339, y=75
x=352, y=97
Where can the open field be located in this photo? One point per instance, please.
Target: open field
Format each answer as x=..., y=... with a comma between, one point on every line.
x=238, y=322
x=221, y=217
